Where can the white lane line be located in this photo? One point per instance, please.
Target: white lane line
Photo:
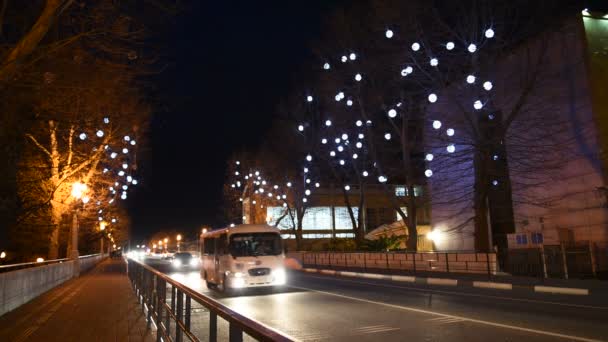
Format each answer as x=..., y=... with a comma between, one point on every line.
x=536, y=301
x=478, y=321
x=563, y=290
x=492, y=285
x=379, y=330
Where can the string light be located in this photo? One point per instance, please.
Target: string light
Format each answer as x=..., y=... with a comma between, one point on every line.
x=478, y=105
x=470, y=79
x=472, y=48
x=359, y=123
x=434, y=62
x=489, y=33
x=358, y=77
x=82, y=136
x=347, y=187
x=309, y=98
x=99, y=133
x=487, y=85
x=326, y=66
x=392, y=113
x=449, y=45
x=432, y=98
x=451, y=148
x=428, y=172
x=387, y=136
x=415, y=47
x=429, y=157
x=389, y=34
x=450, y=132
x=436, y=124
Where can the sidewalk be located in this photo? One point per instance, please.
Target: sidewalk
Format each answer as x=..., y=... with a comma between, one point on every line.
x=98, y=306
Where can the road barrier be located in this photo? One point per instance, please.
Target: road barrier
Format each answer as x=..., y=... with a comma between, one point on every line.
x=20, y=283
x=173, y=318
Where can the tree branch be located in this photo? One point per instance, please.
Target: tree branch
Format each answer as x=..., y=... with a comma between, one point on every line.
x=42, y=148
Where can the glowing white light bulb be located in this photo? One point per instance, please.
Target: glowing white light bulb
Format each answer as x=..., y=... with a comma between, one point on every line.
x=317, y=185
x=415, y=47
x=450, y=132
x=344, y=59
x=478, y=105
x=113, y=155
x=106, y=120
x=449, y=45
x=127, y=138
x=495, y=182
x=472, y=48
x=125, y=187
x=470, y=79
x=344, y=136
x=289, y=184
x=365, y=174
x=355, y=156
x=99, y=133
x=134, y=182
x=451, y=148
x=434, y=61
x=323, y=141
x=342, y=162
x=359, y=144
x=361, y=136
x=409, y=69
x=382, y=179
x=389, y=34
x=429, y=157
x=82, y=136
x=105, y=170
x=489, y=33
x=238, y=162
x=133, y=142
x=349, y=102
x=347, y=187
x=436, y=124
x=307, y=192
x=309, y=98
x=307, y=180
x=387, y=136
x=304, y=200
x=337, y=140
x=326, y=66
x=121, y=173
x=359, y=123
x=309, y=157
x=125, y=151
x=332, y=153
x=124, y=166
x=428, y=172
x=432, y=98
x=487, y=85
x=358, y=77
x=352, y=56
x=327, y=123
x=340, y=148
x=392, y=113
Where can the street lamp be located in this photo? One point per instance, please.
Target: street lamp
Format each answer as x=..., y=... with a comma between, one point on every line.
x=179, y=238
x=79, y=191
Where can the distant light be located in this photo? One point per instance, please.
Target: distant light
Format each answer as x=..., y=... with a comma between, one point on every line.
x=436, y=124
x=344, y=59
x=495, y=157
x=415, y=47
x=309, y=98
x=236, y=173
x=125, y=151
x=327, y=123
x=355, y=156
x=300, y=128
x=352, y=56
x=495, y=182
x=450, y=132
x=337, y=140
x=82, y=136
x=365, y=173
x=99, y=133
x=429, y=157
x=37, y=259
x=129, y=179
x=113, y=155
x=121, y=173
x=382, y=179
x=332, y=153
x=489, y=33
x=285, y=204
x=3, y=255
x=342, y=162
x=106, y=120
x=392, y=113
x=127, y=138
x=387, y=136
x=449, y=45
x=451, y=148
x=133, y=142
x=317, y=185
x=361, y=136
x=487, y=85
x=309, y=157
x=434, y=61
x=428, y=172
x=289, y=184
x=349, y=102
x=232, y=225
x=124, y=166
x=470, y=79
x=323, y=141
x=389, y=34
x=359, y=123
x=432, y=98
x=368, y=122
x=304, y=200
x=305, y=171
x=276, y=186
x=344, y=136
x=359, y=144
x=105, y=169
x=307, y=192
x=472, y=48
x=491, y=116
x=326, y=66
x=86, y=199
x=358, y=77
x=478, y=105
x=125, y=187
x=347, y=187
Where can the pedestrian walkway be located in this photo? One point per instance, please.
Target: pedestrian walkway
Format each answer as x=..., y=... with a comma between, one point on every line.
x=98, y=306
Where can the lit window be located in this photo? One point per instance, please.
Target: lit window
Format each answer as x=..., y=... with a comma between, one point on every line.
x=400, y=191
x=343, y=220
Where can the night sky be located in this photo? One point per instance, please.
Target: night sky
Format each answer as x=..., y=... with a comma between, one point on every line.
x=229, y=64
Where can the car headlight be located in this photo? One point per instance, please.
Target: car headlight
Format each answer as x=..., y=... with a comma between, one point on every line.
x=177, y=262
x=279, y=275
x=193, y=262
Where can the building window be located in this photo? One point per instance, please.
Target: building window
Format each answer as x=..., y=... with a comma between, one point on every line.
x=537, y=238
x=400, y=191
x=343, y=220
x=275, y=213
x=521, y=239
x=317, y=218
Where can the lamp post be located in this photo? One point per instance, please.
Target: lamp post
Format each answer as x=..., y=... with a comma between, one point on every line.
x=78, y=192
x=179, y=238
x=102, y=227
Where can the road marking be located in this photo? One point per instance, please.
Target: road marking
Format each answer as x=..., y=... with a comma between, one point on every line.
x=372, y=329
x=468, y=294
x=562, y=290
x=441, y=281
x=492, y=285
x=478, y=321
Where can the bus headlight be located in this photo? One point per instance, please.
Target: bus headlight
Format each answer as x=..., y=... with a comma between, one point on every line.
x=279, y=276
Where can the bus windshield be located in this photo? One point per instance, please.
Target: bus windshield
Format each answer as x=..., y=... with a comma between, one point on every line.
x=255, y=244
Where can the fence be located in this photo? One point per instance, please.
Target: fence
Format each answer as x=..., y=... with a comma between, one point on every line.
x=450, y=262
x=169, y=305
x=19, y=285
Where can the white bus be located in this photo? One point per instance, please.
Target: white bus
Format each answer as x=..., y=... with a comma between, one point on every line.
x=248, y=255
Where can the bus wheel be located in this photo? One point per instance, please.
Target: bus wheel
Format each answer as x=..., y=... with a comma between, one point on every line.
x=209, y=284
x=224, y=288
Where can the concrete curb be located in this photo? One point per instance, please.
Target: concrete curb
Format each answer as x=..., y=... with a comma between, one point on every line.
x=452, y=282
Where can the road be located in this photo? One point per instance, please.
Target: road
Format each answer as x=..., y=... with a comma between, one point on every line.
x=328, y=308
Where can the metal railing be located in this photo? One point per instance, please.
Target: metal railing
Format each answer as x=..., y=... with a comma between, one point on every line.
x=13, y=267
x=173, y=319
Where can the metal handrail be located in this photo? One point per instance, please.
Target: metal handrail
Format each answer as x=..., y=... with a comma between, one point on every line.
x=151, y=286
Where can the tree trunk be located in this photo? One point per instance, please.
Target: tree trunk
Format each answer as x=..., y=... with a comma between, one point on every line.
x=56, y=213
x=411, y=222
x=480, y=203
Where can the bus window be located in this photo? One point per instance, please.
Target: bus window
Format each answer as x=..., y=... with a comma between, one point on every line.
x=209, y=246
x=221, y=245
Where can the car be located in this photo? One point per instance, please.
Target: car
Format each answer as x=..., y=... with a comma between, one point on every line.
x=185, y=260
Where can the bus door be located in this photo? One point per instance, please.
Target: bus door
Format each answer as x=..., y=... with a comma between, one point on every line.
x=219, y=262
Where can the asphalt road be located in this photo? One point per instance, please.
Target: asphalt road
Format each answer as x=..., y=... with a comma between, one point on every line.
x=327, y=308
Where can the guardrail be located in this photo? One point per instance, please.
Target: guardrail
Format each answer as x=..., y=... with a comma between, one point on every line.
x=173, y=319
x=13, y=267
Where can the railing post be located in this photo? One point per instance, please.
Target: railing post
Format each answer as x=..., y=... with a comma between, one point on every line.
x=161, y=305
x=414, y=254
x=543, y=263
x=564, y=260
x=447, y=263
x=168, y=311
x=364, y=262
x=235, y=334
x=488, y=263
x=179, y=316
x=188, y=309
x=386, y=254
x=212, y=326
